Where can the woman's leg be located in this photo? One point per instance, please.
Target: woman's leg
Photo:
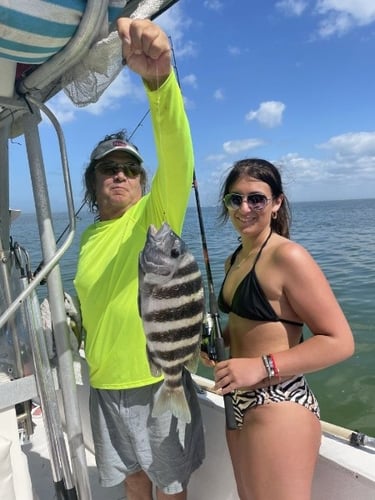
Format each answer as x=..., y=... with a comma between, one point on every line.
x=275, y=453
x=234, y=438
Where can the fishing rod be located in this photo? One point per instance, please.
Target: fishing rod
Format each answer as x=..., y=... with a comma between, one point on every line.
x=355, y=438
x=213, y=335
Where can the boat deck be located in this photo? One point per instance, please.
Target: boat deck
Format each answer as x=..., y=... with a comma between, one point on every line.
x=37, y=454
x=343, y=472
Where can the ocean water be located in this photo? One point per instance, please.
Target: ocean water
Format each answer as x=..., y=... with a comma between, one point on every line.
x=341, y=237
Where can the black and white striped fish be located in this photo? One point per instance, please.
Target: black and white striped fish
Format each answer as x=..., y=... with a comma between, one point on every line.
x=170, y=302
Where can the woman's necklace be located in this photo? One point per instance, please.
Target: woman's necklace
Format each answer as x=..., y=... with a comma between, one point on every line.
x=253, y=251
x=244, y=259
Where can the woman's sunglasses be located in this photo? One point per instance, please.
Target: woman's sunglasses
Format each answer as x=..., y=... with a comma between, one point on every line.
x=257, y=202
x=129, y=169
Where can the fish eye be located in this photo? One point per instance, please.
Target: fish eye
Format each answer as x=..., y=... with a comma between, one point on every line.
x=175, y=253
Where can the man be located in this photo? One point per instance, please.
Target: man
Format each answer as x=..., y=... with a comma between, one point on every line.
x=130, y=444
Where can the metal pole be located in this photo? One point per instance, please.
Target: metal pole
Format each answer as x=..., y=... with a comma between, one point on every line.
x=56, y=300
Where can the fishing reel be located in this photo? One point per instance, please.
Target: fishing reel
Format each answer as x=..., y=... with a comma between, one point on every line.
x=208, y=337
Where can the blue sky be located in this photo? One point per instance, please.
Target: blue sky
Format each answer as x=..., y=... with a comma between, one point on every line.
x=291, y=81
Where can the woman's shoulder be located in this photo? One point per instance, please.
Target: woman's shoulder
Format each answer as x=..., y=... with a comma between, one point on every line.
x=289, y=252
x=293, y=262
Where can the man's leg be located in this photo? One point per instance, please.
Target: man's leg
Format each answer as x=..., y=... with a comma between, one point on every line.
x=176, y=496
x=138, y=486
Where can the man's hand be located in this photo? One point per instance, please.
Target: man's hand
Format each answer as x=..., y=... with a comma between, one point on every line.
x=146, y=49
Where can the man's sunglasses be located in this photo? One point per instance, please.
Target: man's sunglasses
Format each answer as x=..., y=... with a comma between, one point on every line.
x=130, y=168
x=257, y=202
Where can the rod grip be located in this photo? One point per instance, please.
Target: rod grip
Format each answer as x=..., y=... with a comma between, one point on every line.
x=228, y=402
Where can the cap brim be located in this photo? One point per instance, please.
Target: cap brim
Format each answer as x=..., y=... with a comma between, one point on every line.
x=106, y=147
x=119, y=148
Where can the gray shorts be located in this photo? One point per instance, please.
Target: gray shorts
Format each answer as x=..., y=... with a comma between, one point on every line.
x=128, y=439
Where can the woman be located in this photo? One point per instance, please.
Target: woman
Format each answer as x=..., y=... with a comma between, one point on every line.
x=271, y=288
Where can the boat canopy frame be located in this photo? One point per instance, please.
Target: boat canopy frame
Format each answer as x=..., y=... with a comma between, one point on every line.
x=20, y=114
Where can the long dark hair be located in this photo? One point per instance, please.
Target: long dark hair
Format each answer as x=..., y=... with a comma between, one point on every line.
x=266, y=172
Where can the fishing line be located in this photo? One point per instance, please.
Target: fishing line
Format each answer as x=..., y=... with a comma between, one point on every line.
x=158, y=131
x=214, y=340
x=139, y=124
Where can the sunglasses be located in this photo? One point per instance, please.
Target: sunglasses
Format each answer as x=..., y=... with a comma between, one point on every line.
x=129, y=169
x=257, y=202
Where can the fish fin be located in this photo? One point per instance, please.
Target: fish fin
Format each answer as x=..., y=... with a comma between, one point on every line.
x=155, y=369
x=173, y=401
x=193, y=362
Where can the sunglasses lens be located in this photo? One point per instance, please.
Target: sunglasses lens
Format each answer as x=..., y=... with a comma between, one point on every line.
x=129, y=169
x=233, y=200
x=257, y=201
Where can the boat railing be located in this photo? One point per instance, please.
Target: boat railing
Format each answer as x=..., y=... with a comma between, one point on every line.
x=21, y=114
x=21, y=106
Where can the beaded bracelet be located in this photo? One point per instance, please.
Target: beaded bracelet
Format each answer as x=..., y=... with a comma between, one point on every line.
x=271, y=367
x=275, y=369
x=267, y=361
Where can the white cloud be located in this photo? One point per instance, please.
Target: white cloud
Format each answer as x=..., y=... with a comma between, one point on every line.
x=176, y=24
x=337, y=16
x=218, y=95
x=348, y=166
x=351, y=144
x=190, y=80
x=189, y=103
x=215, y=158
x=350, y=163
x=292, y=7
x=213, y=4
x=269, y=113
x=294, y=167
x=237, y=146
x=344, y=15
x=234, y=51
x=62, y=107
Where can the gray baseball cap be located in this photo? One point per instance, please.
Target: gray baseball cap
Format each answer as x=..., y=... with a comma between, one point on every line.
x=107, y=147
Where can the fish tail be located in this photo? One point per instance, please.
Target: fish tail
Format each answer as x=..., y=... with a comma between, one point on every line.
x=173, y=401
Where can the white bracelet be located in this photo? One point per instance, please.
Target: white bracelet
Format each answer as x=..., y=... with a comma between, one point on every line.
x=267, y=361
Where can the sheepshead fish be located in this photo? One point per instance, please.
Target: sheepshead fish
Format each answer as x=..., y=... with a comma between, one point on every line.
x=170, y=301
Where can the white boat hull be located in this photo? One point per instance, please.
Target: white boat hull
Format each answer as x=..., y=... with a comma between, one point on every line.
x=343, y=472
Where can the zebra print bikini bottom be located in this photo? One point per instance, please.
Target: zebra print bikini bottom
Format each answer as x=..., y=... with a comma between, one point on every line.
x=295, y=389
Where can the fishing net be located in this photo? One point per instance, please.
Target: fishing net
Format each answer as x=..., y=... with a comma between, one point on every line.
x=86, y=81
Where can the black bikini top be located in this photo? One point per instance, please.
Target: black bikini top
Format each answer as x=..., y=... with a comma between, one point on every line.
x=249, y=300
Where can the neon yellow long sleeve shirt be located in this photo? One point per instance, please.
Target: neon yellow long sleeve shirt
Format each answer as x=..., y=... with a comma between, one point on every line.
x=107, y=272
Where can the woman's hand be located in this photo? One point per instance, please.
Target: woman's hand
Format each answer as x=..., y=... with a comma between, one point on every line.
x=238, y=373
